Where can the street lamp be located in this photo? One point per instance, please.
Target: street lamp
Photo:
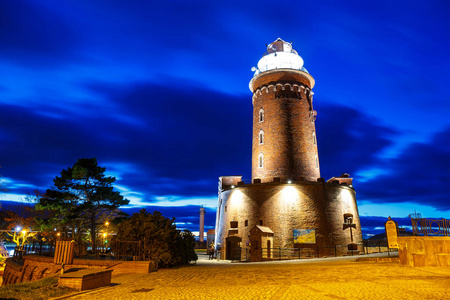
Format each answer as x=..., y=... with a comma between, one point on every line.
x=106, y=235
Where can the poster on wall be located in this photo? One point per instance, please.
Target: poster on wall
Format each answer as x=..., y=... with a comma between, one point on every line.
x=304, y=236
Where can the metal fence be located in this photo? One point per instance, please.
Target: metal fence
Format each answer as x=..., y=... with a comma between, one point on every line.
x=37, y=248
x=280, y=253
x=127, y=250
x=430, y=227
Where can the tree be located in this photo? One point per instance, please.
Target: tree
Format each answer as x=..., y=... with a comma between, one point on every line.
x=82, y=193
x=160, y=239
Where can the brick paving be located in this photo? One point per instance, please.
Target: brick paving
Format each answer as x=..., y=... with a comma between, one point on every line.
x=341, y=278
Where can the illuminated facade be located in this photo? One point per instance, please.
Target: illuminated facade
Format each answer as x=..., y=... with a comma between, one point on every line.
x=286, y=196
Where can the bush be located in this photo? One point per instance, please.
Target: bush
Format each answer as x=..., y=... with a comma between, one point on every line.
x=161, y=242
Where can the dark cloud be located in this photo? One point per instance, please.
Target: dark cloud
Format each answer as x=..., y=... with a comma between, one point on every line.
x=420, y=174
x=189, y=215
x=348, y=140
x=179, y=141
x=375, y=225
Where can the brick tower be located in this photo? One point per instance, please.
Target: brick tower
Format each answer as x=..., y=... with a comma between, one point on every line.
x=284, y=138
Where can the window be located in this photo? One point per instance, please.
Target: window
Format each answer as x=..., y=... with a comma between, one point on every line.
x=261, y=137
x=261, y=160
x=261, y=115
x=317, y=162
x=246, y=223
x=225, y=208
x=260, y=222
x=234, y=224
x=314, y=138
x=348, y=218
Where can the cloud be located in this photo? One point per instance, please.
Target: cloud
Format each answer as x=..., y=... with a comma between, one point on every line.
x=418, y=175
x=187, y=216
x=348, y=140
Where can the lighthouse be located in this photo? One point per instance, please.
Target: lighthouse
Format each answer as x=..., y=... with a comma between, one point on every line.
x=284, y=137
x=202, y=224
x=286, y=205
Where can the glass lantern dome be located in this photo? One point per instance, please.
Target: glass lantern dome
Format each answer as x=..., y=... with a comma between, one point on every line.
x=279, y=55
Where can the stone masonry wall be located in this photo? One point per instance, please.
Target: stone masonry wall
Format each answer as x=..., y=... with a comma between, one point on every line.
x=37, y=267
x=283, y=207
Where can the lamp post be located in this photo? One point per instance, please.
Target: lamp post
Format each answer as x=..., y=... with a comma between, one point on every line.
x=106, y=235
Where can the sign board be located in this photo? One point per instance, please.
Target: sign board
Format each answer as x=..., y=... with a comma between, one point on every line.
x=304, y=236
x=391, y=233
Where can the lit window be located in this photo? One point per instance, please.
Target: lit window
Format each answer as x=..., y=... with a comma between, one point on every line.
x=261, y=160
x=261, y=137
x=261, y=115
x=348, y=218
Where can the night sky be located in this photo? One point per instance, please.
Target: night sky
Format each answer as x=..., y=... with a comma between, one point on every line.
x=158, y=92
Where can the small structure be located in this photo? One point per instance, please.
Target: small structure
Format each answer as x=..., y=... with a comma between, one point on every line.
x=86, y=279
x=261, y=241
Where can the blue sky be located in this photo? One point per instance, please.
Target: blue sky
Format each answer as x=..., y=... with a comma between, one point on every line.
x=158, y=92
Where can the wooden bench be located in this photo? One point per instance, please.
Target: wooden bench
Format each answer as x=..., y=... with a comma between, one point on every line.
x=86, y=279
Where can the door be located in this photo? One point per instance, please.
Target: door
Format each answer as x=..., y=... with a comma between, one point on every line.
x=233, y=251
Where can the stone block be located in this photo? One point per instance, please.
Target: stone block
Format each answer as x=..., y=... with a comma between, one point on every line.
x=419, y=260
x=430, y=260
x=415, y=246
x=439, y=247
x=86, y=279
x=429, y=245
x=447, y=246
x=442, y=260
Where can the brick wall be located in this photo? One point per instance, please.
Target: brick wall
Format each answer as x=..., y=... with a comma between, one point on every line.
x=289, y=147
x=37, y=267
x=283, y=207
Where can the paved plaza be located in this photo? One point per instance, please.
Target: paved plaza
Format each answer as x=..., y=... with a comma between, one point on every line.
x=333, y=278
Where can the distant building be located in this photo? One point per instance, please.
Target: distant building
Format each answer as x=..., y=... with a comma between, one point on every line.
x=286, y=195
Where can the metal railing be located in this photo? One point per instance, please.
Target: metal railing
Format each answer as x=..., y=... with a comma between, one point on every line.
x=280, y=253
x=430, y=227
x=37, y=248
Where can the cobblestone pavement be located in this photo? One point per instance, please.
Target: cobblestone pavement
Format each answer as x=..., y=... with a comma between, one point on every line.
x=314, y=279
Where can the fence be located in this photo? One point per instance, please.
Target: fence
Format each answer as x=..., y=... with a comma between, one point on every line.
x=280, y=253
x=37, y=247
x=430, y=227
x=127, y=250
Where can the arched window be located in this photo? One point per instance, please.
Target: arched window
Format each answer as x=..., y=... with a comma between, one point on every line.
x=261, y=160
x=317, y=162
x=261, y=115
x=314, y=138
x=261, y=136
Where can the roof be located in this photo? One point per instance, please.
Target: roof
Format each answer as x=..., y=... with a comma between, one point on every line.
x=264, y=229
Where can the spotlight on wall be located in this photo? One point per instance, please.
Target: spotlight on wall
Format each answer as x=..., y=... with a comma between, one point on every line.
x=232, y=186
x=289, y=181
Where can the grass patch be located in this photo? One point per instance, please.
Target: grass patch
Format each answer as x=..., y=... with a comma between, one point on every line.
x=36, y=290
